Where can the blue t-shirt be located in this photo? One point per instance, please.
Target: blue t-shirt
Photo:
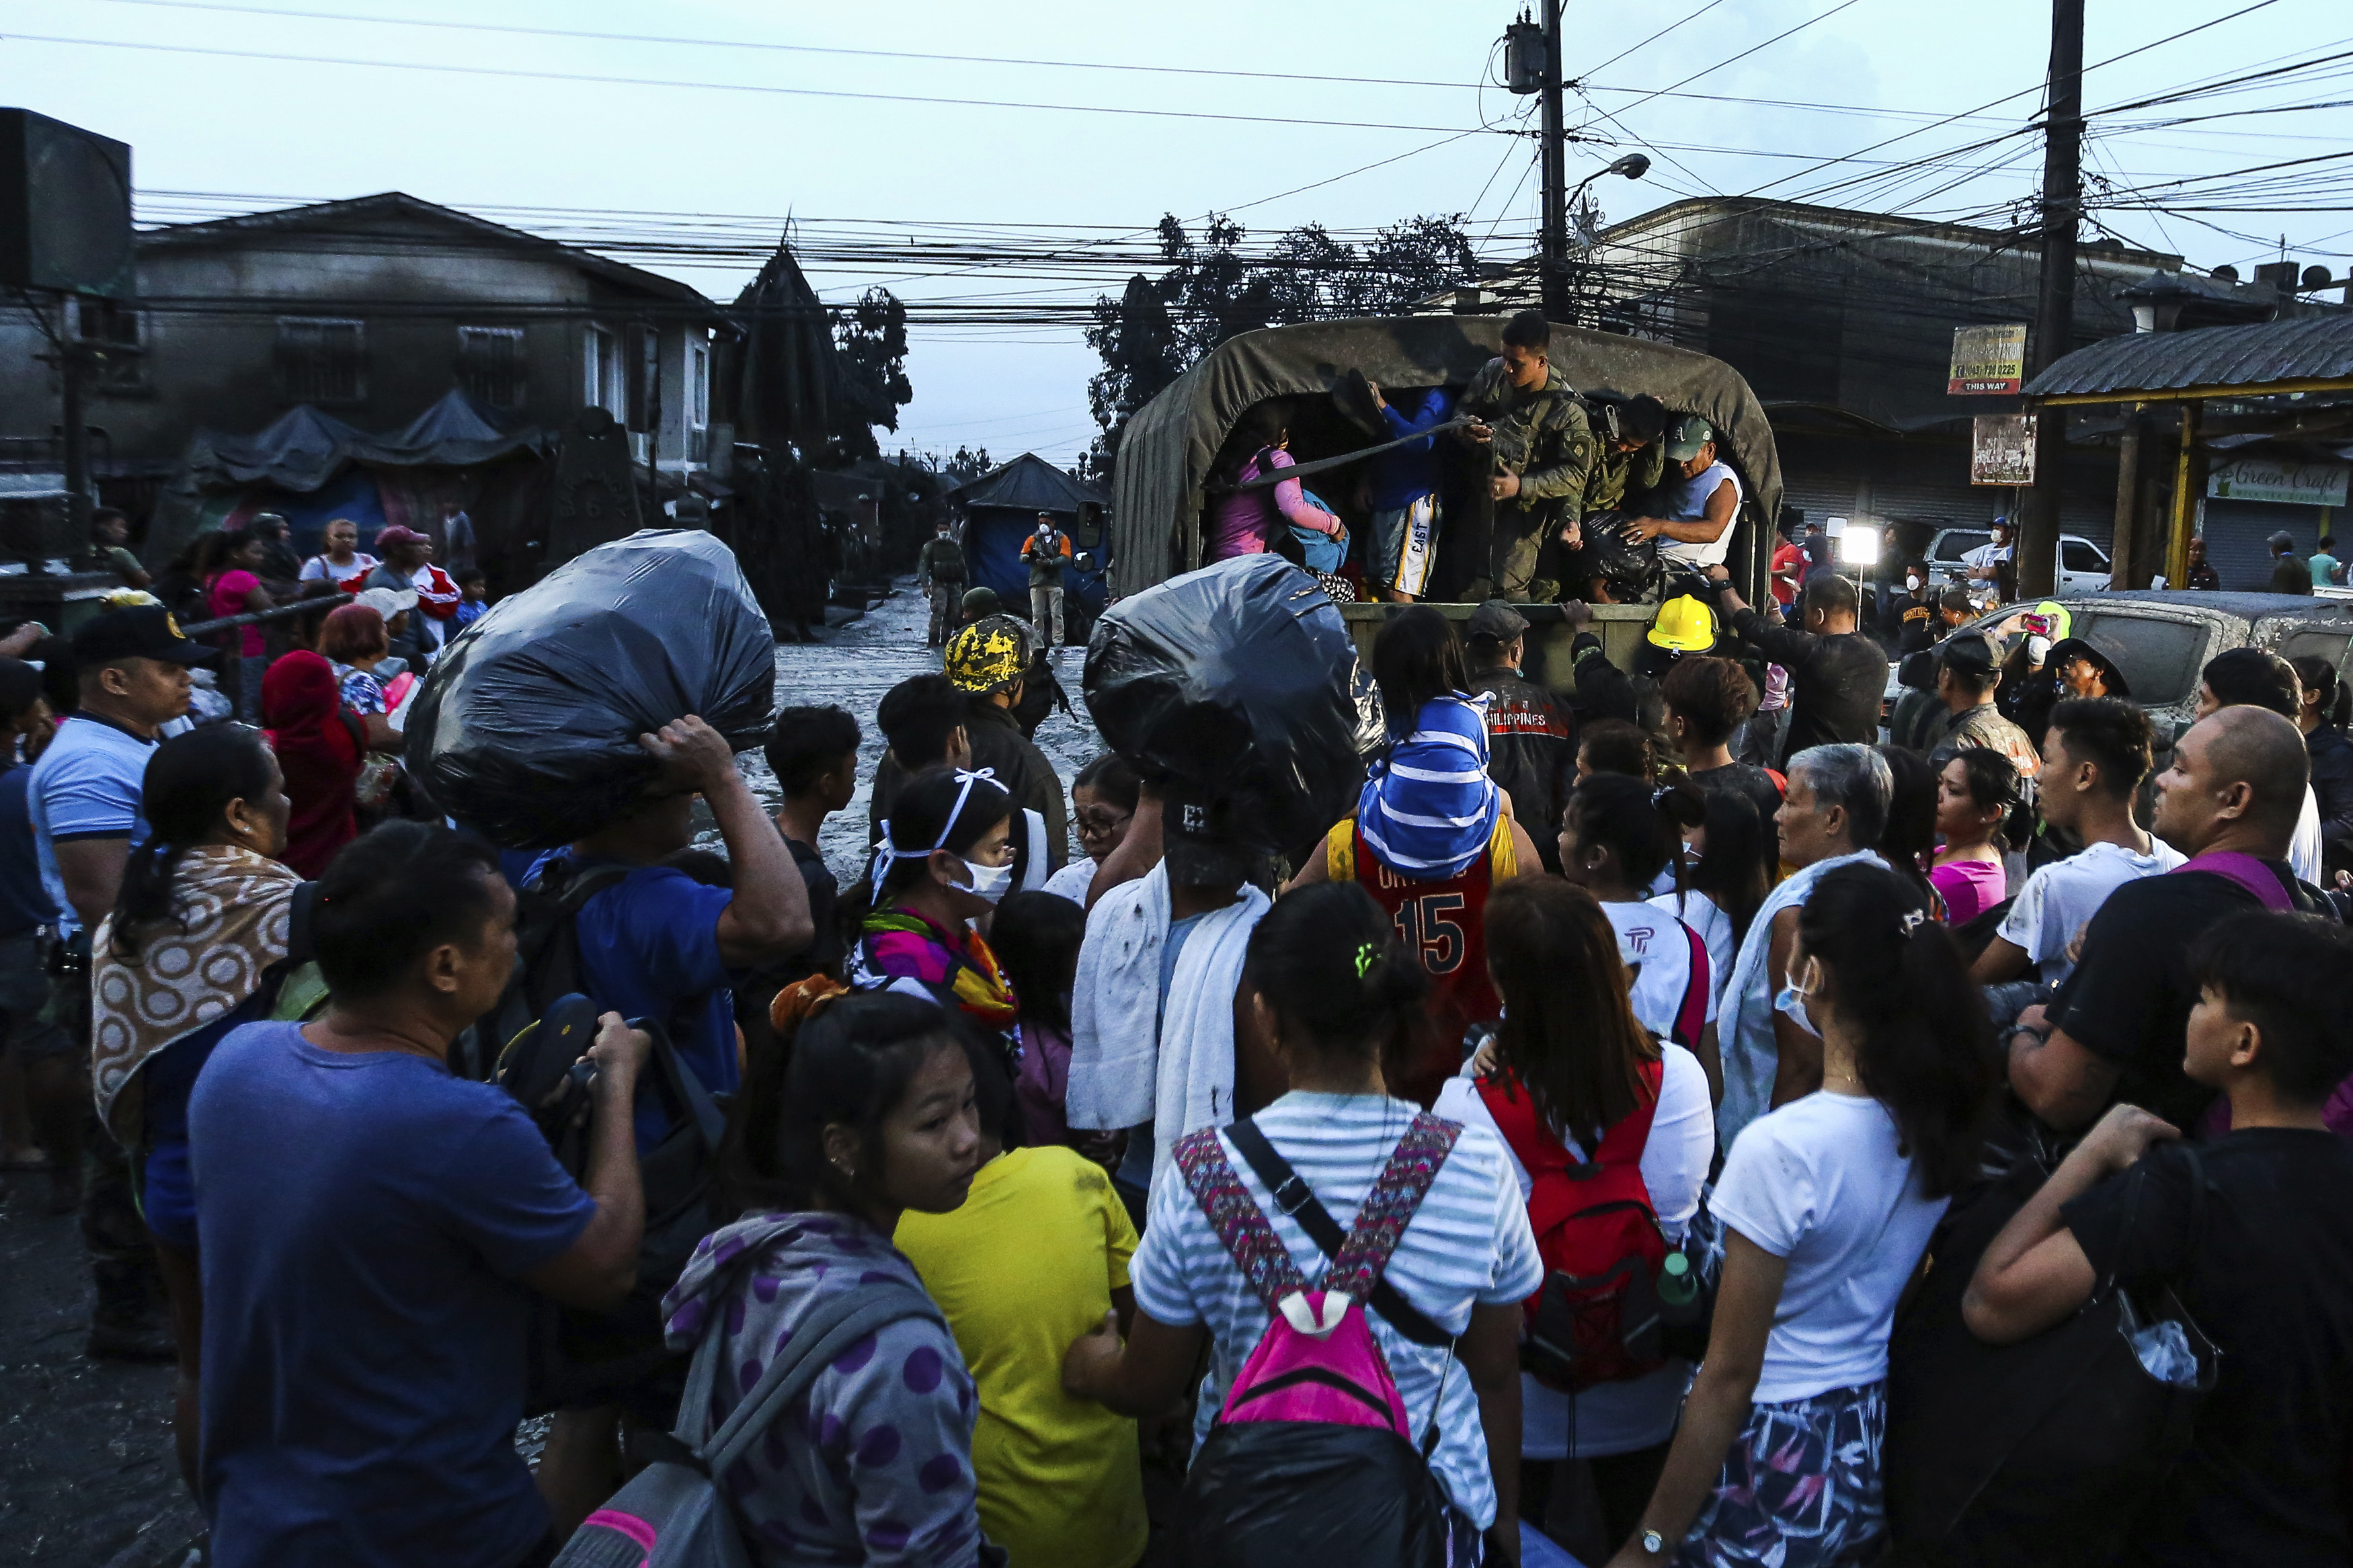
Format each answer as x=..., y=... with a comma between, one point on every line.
x=650, y=949
x=1403, y=477
x=24, y=900
x=86, y=785
x=364, y=1316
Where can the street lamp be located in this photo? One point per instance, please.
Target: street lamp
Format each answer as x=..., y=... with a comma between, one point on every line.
x=1633, y=165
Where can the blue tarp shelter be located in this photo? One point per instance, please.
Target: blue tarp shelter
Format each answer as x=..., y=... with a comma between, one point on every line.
x=1000, y=508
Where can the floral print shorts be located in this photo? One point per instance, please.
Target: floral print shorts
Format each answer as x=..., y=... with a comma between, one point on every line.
x=1800, y=1488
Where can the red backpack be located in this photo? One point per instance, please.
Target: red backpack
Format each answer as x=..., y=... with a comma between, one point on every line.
x=1595, y=1318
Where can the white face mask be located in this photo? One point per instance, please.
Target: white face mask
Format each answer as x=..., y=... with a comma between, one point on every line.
x=1911, y=581
x=988, y=882
x=1791, y=999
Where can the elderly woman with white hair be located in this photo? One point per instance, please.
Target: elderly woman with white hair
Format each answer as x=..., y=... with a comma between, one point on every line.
x=1833, y=817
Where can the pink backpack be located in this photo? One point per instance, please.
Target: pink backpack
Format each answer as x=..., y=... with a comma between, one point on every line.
x=1313, y=1427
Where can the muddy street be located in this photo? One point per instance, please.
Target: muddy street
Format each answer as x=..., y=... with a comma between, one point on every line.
x=86, y=1475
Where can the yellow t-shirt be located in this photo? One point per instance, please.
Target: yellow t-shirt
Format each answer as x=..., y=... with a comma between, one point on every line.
x=1024, y=1268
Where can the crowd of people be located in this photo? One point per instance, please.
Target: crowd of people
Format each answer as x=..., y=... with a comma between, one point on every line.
x=1614, y=1131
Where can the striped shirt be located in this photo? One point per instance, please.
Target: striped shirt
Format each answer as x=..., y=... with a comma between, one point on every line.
x=1430, y=807
x=1468, y=1244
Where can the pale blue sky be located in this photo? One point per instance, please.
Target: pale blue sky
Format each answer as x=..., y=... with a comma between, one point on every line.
x=248, y=132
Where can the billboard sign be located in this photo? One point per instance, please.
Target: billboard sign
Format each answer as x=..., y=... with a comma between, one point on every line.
x=2001, y=449
x=1987, y=360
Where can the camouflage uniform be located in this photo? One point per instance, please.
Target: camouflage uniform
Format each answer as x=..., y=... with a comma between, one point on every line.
x=1617, y=475
x=1543, y=438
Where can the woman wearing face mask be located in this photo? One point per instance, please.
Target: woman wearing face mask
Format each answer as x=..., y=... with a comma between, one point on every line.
x=1827, y=1203
x=946, y=859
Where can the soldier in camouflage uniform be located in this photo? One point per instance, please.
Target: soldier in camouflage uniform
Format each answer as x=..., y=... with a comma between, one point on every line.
x=1545, y=457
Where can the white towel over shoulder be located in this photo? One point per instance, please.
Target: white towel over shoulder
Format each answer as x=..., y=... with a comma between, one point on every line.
x=1130, y=1064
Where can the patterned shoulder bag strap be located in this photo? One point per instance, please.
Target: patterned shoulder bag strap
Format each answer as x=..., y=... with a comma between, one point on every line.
x=1386, y=1210
x=1235, y=1215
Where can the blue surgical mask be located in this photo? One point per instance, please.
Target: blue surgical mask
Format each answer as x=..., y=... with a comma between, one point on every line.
x=1790, y=1000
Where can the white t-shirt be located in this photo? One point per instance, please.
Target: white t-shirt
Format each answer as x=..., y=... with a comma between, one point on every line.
x=1618, y=1417
x=1468, y=1244
x=1985, y=556
x=2304, y=849
x=1819, y=1182
x=316, y=569
x=1699, y=911
x=1656, y=948
x=1687, y=503
x=2058, y=898
x=1073, y=880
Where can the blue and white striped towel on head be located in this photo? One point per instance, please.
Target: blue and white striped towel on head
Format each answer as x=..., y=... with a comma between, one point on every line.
x=1429, y=808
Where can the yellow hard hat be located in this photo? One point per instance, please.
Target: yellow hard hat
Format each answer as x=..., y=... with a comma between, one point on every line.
x=1684, y=624
x=2061, y=623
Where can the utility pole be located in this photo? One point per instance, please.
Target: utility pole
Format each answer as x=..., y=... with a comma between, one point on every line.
x=2054, y=317
x=1554, y=153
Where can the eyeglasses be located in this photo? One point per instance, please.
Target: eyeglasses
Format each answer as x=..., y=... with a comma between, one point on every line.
x=1101, y=822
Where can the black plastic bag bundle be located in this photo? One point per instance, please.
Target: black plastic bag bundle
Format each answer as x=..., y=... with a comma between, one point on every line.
x=1241, y=680
x=527, y=728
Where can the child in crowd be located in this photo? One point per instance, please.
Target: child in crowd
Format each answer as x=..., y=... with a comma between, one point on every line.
x=1614, y=746
x=1036, y=937
x=946, y=863
x=1827, y=1204
x=473, y=596
x=1102, y=805
x=2265, y=1270
x=1975, y=790
x=813, y=752
x=1034, y=1257
x=868, y=1117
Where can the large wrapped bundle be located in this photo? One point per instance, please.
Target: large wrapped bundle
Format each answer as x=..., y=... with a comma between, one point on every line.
x=1240, y=684
x=527, y=727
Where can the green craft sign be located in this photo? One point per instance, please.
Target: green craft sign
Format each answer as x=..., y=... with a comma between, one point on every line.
x=2266, y=478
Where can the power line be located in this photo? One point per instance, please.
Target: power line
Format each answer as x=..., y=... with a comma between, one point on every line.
x=789, y=49
x=1653, y=38
x=2008, y=97
x=718, y=86
x=1754, y=48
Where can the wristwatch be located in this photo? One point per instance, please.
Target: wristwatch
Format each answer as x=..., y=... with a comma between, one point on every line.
x=1653, y=1544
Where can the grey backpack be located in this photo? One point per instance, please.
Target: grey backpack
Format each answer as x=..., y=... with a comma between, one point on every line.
x=673, y=1513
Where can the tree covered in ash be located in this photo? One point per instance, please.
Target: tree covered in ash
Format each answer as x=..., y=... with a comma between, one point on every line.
x=1212, y=288
x=870, y=376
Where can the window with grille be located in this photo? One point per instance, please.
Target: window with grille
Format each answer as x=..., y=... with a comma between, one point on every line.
x=121, y=333
x=490, y=367
x=321, y=361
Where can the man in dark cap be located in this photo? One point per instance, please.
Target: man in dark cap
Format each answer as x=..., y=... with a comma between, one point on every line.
x=1967, y=673
x=84, y=799
x=1531, y=741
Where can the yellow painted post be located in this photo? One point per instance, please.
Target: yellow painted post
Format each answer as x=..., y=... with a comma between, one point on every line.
x=2185, y=504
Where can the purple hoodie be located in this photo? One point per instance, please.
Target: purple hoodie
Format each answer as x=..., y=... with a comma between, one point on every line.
x=876, y=1467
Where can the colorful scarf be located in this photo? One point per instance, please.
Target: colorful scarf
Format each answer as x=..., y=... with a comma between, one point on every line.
x=232, y=907
x=1429, y=808
x=901, y=944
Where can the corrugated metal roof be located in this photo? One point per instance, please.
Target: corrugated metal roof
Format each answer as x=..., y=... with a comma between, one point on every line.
x=2307, y=348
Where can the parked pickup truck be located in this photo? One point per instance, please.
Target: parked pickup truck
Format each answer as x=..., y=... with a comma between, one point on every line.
x=2160, y=639
x=2083, y=565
